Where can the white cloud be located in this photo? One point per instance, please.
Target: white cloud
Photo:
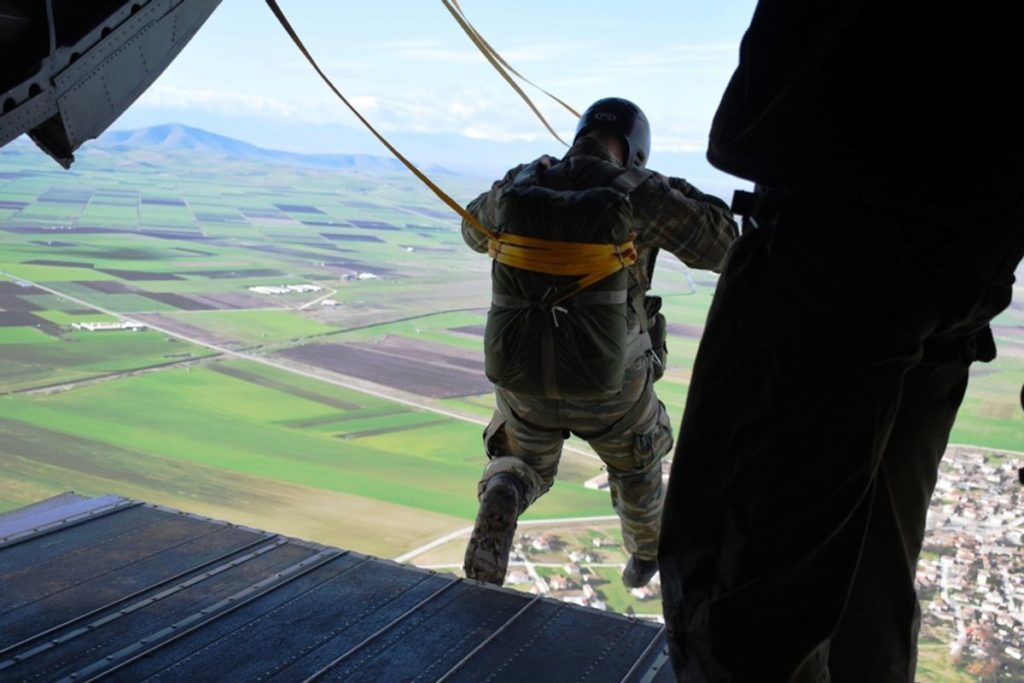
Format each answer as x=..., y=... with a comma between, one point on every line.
x=339, y=65
x=483, y=114
x=497, y=133
x=541, y=53
x=677, y=55
x=430, y=50
x=366, y=104
x=433, y=50
x=677, y=144
x=209, y=99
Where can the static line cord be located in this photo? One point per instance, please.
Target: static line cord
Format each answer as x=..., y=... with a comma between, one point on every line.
x=503, y=68
x=593, y=261
x=441, y=194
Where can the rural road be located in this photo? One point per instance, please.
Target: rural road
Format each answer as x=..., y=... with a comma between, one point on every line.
x=274, y=364
x=405, y=557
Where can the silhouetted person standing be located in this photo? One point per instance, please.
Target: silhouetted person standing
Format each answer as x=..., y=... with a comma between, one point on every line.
x=888, y=156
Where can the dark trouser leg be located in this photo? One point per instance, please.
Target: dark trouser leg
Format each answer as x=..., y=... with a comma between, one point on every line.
x=877, y=637
x=796, y=384
x=815, y=413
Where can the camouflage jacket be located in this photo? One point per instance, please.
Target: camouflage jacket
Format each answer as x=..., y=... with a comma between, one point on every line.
x=668, y=213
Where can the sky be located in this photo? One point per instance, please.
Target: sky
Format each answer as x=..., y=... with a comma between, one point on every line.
x=412, y=71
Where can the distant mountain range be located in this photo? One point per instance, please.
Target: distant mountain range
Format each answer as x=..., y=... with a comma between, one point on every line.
x=175, y=137
x=434, y=153
x=307, y=143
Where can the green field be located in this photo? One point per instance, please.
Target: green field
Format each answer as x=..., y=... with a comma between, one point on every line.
x=194, y=421
x=256, y=327
x=180, y=245
x=172, y=415
x=934, y=665
x=33, y=359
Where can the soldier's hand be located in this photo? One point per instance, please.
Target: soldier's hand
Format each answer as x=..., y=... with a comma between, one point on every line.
x=545, y=162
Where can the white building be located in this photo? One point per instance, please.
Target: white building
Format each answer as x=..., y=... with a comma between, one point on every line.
x=105, y=327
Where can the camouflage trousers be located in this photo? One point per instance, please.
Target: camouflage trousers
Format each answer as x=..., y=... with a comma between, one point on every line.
x=631, y=433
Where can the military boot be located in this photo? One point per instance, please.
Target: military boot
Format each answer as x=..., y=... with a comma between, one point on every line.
x=638, y=572
x=491, y=540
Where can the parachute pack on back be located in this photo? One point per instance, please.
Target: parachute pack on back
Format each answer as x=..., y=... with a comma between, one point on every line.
x=577, y=348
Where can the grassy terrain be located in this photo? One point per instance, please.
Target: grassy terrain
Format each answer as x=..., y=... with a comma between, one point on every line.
x=198, y=418
x=34, y=359
x=178, y=240
x=256, y=327
x=934, y=665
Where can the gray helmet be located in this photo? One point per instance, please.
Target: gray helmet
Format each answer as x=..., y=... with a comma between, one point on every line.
x=623, y=118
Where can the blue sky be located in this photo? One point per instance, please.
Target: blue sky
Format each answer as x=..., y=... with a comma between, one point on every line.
x=411, y=68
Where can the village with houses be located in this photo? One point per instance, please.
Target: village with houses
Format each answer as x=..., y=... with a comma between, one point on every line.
x=544, y=563
x=971, y=573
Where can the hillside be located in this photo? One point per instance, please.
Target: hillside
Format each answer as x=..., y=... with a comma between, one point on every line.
x=175, y=137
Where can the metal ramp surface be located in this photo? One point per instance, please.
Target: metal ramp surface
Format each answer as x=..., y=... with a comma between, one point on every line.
x=114, y=589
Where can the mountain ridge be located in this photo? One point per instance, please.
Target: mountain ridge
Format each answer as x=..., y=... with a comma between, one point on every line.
x=177, y=137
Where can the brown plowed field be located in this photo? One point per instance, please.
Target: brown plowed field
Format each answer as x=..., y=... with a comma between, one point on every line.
x=180, y=301
x=108, y=286
x=184, y=329
x=409, y=367
x=430, y=352
x=684, y=330
x=235, y=301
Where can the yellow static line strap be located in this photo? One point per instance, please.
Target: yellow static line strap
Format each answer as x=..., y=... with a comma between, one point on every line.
x=594, y=261
x=551, y=257
x=503, y=68
x=586, y=258
x=441, y=194
x=509, y=66
x=557, y=264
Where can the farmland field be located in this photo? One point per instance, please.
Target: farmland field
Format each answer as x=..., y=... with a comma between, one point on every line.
x=393, y=305
x=256, y=407
x=309, y=358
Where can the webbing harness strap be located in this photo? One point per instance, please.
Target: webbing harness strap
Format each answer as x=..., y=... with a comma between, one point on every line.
x=551, y=257
x=554, y=257
x=605, y=297
x=441, y=194
x=563, y=258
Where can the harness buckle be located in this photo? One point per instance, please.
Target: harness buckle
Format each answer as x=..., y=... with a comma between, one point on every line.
x=555, y=310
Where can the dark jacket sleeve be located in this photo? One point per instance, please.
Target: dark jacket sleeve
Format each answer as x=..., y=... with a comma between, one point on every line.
x=483, y=209
x=671, y=214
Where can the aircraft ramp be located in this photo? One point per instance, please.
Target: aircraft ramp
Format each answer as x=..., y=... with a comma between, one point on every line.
x=115, y=589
